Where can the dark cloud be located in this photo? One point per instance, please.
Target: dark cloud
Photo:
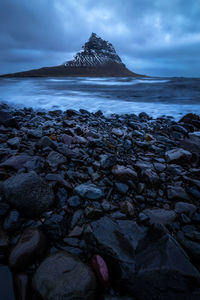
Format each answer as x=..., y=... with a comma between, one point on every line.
x=153, y=37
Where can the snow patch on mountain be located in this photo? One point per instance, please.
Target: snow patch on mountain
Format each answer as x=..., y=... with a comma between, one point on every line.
x=95, y=52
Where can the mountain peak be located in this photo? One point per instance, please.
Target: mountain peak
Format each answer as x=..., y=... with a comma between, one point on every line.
x=95, y=52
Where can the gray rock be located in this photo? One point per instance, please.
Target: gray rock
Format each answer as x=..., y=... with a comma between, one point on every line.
x=107, y=161
x=123, y=173
x=55, y=159
x=178, y=155
x=183, y=207
x=63, y=276
x=177, y=193
x=16, y=162
x=45, y=141
x=28, y=193
x=14, y=142
x=160, y=216
x=93, y=212
x=74, y=201
x=150, y=177
x=121, y=187
x=89, y=191
x=191, y=247
x=12, y=222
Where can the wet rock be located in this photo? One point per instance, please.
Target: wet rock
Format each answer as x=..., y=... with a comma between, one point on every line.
x=55, y=226
x=30, y=247
x=89, y=191
x=67, y=139
x=21, y=286
x=178, y=155
x=28, y=193
x=35, y=133
x=4, y=207
x=12, y=222
x=107, y=161
x=121, y=188
x=191, y=247
x=177, y=193
x=16, y=162
x=150, y=177
x=127, y=208
x=183, y=207
x=63, y=276
x=61, y=197
x=74, y=201
x=93, y=212
x=100, y=268
x=4, y=242
x=180, y=129
x=160, y=216
x=45, y=142
x=161, y=264
x=76, y=231
x=116, y=242
x=123, y=173
x=55, y=159
x=7, y=119
x=14, y=142
x=35, y=164
x=117, y=132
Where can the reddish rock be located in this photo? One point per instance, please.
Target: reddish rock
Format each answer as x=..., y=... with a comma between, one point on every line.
x=100, y=268
x=30, y=247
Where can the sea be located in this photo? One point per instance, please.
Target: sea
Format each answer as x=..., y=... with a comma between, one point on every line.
x=119, y=95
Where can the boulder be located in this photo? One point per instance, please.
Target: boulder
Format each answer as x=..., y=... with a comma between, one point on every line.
x=63, y=276
x=28, y=193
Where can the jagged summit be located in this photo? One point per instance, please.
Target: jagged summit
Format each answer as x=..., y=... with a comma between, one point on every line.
x=97, y=58
x=95, y=52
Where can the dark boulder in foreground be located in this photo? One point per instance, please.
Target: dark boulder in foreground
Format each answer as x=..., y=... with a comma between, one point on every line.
x=63, y=276
x=143, y=263
x=28, y=193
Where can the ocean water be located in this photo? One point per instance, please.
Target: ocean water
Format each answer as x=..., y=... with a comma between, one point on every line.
x=155, y=96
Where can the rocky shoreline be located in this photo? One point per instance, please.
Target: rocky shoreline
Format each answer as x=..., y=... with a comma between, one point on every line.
x=99, y=207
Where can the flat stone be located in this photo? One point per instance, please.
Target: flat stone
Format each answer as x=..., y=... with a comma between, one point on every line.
x=16, y=162
x=121, y=187
x=89, y=191
x=64, y=276
x=178, y=155
x=93, y=212
x=28, y=193
x=160, y=216
x=183, y=207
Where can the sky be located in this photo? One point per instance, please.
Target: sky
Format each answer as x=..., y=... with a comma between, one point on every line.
x=152, y=37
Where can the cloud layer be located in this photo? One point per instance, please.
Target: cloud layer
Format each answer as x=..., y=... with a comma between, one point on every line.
x=160, y=38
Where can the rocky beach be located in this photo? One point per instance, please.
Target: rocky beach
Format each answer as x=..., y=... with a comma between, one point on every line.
x=99, y=207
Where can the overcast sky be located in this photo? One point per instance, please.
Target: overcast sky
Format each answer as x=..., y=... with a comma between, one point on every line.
x=153, y=37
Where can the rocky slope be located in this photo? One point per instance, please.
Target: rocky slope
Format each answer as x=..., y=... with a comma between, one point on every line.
x=97, y=58
x=96, y=207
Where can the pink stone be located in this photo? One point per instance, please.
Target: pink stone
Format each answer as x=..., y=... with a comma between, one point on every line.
x=100, y=268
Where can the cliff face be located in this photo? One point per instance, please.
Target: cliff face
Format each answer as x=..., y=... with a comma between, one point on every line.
x=97, y=58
